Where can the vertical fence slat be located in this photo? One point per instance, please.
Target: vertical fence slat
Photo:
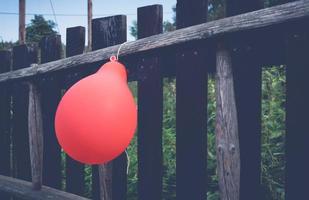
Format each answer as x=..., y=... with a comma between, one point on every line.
x=297, y=109
x=75, y=45
x=106, y=32
x=23, y=56
x=150, y=109
x=191, y=108
x=5, y=119
x=247, y=85
x=35, y=127
x=51, y=50
x=227, y=140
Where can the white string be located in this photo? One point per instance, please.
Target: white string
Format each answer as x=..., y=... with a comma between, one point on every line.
x=117, y=56
x=128, y=162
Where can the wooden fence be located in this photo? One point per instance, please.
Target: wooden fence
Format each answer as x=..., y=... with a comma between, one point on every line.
x=235, y=48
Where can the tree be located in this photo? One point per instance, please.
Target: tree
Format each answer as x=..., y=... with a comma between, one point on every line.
x=38, y=28
x=6, y=45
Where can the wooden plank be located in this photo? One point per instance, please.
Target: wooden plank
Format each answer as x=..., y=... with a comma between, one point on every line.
x=227, y=141
x=247, y=85
x=236, y=7
x=5, y=120
x=51, y=92
x=109, y=182
x=35, y=127
x=285, y=14
x=75, y=42
x=23, y=190
x=190, y=14
x=23, y=56
x=150, y=109
x=297, y=110
x=75, y=45
x=191, y=109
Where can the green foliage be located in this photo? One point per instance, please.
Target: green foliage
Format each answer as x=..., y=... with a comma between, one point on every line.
x=7, y=45
x=133, y=29
x=38, y=28
x=169, y=139
x=273, y=132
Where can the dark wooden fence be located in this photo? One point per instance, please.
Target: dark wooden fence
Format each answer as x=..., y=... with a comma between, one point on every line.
x=234, y=48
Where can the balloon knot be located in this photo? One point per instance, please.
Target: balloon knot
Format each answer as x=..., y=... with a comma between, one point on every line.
x=113, y=58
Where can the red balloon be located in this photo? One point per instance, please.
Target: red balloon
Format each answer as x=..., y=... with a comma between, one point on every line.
x=96, y=118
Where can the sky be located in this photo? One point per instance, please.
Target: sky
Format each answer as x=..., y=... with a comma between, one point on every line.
x=101, y=8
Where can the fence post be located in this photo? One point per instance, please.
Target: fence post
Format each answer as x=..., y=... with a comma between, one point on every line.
x=23, y=56
x=297, y=109
x=5, y=120
x=51, y=50
x=191, y=108
x=75, y=44
x=35, y=127
x=227, y=140
x=247, y=85
x=150, y=109
x=112, y=178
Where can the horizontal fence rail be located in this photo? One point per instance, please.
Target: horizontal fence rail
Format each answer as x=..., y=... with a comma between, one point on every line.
x=250, y=21
x=23, y=189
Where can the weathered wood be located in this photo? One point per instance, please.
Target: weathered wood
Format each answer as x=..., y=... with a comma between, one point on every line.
x=23, y=190
x=191, y=108
x=35, y=127
x=50, y=92
x=236, y=7
x=75, y=44
x=227, y=141
x=106, y=181
x=150, y=109
x=247, y=86
x=297, y=109
x=189, y=13
x=247, y=76
x=5, y=119
x=23, y=56
x=269, y=17
x=111, y=181
x=107, y=25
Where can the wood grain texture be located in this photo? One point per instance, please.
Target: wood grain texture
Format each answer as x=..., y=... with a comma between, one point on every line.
x=191, y=108
x=51, y=48
x=5, y=120
x=269, y=17
x=75, y=44
x=297, y=109
x=150, y=109
x=23, y=190
x=23, y=56
x=227, y=140
x=35, y=128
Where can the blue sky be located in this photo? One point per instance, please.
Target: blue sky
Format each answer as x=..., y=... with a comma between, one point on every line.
x=101, y=8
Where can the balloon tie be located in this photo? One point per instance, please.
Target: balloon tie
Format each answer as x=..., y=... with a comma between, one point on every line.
x=118, y=52
x=119, y=49
x=116, y=58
